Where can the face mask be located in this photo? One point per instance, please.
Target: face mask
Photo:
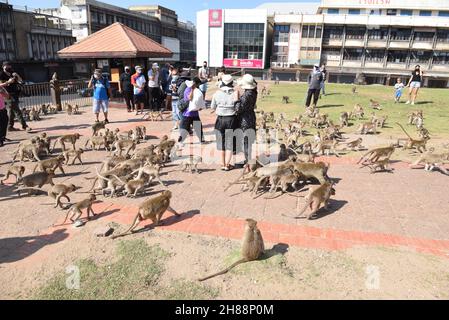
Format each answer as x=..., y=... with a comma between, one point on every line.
x=139, y=71
x=175, y=77
x=127, y=71
x=8, y=69
x=97, y=77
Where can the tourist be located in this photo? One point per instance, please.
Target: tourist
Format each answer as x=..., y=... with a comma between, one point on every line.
x=3, y=113
x=139, y=82
x=191, y=117
x=414, y=83
x=175, y=83
x=13, y=83
x=127, y=89
x=223, y=103
x=314, y=80
x=398, y=88
x=102, y=93
x=246, y=116
x=323, y=83
x=221, y=73
x=204, y=76
x=166, y=73
x=154, y=87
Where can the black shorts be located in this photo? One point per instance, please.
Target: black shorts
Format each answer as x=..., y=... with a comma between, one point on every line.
x=139, y=99
x=224, y=128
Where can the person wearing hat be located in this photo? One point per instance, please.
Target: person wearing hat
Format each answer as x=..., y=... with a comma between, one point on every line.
x=12, y=82
x=154, y=87
x=223, y=104
x=102, y=92
x=139, y=82
x=315, y=80
x=127, y=89
x=245, y=106
x=191, y=116
x=204, y=75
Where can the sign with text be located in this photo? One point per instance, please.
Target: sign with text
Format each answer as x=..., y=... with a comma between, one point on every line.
x=215, y=18
x=243, y=63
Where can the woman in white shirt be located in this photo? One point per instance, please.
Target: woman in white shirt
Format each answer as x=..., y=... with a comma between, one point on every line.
x=191, y=116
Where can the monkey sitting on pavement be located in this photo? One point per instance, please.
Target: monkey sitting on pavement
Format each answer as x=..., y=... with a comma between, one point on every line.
x=253, y=247
x=36, y=181
x=153, y=209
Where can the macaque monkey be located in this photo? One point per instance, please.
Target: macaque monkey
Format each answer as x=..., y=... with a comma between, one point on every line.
x=132, y=187
x=128, y=145
x=153, y=173
x=415, y=116
x=191, y=164
x=355, y=145
x=380, y=120
x=357, y=112
x=253, y=247
x=77, y=209
x=316, y=171
x=61, y=191
x=76, y=109
x=318, y=195
x=96, y=142
x=165, y=148
x=28, y=150
x=76, y=154
x=153, y=209
x=367, y=127
x=283, y=153
x=379, y=166
x=142, y=130
x=113, y=183
x=375, y=105
x=344, y=119
x=68, y=138
x=144, y=154
x=155, y=116
x=51, y=164
x=38, y=179
x=16, y=171
x=69, y=109
x=419, y=144
x=374, y=155
x=354, y=90
x=96, y=127
x=432, y=160
x=327, y=146
x=286, y=99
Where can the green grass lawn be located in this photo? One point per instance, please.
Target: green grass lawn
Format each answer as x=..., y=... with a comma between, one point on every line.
x=434, y=103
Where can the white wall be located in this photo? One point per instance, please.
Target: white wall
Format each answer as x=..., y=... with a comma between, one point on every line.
x=295, y=44
x=386, y=4
x=174, y=45
x=216, y=47
x=202, y=37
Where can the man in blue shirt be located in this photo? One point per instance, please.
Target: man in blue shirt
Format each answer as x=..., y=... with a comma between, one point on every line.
x=102, y=92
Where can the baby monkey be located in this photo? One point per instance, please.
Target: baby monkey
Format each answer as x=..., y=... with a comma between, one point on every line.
x=16, y=171
x=191, y=164
x=77, y=209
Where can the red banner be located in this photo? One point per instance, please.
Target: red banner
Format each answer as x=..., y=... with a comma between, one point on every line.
x=215, y=18
x=243, y=63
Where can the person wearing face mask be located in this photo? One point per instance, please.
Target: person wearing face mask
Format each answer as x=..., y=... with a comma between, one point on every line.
x=204, y=76
x=315, y=80
x=102, y=92
x=175, y=83
x=127, y=89
x=12, y=81
x=414, y=83
x=138, y=81
x=154, y=87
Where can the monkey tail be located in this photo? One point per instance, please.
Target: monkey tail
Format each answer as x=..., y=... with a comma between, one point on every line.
x=121, y=181
x=403, y=130
x=54, y=145
x=133, y=225
x=224, y=271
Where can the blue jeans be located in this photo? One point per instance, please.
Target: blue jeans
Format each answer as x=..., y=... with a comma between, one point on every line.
x=175, y=110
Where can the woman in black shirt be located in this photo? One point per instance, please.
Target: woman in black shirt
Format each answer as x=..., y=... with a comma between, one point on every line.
x=415, y=83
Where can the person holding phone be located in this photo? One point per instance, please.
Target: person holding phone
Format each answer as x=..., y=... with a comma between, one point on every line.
x=102, y=92
x=415, y=83
x=3, y=114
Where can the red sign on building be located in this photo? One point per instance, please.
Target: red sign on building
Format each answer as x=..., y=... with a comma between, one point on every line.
x=243, y=63
x=215, y=18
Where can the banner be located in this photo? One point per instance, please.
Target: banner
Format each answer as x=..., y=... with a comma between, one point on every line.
x=215, y=18
x=243, y=63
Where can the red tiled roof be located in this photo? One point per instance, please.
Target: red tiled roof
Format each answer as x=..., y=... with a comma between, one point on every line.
x=116, y=41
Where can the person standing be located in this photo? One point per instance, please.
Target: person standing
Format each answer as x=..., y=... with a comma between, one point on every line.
x=191, y=116
x=175, y=83
x=3, y=114
x=223, y=104
x=139, y=82
x=314, y=80
x=246, y=115
x=13, y=82
x=127, y=89
x=415, y=83
x=398, y=88
x=204, y=76
x=154, y=87
x=323, y=83
x=102, y=92
x=166, y=73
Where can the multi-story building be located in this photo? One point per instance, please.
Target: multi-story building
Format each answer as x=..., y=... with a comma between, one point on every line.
x=156, y=22
x=371, y=40
x=7, y=34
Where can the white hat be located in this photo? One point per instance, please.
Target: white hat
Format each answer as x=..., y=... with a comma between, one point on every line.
x=189, y=83
x=127, y=68
x=155, y=66
x=139, y=67
x=316, y=65
x=227, y=79
x=247, y=82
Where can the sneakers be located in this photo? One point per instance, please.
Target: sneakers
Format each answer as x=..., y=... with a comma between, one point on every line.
x=413, y=103
x=27, y=129
x=408, y=102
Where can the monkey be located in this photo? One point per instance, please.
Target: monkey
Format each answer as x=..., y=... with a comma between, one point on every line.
x=283, y=153
x=367, y=127
x=357, y=112
x=284, y=181
x=354, y=90
x=423, y=133
x=113, y=183
x=316, y=171
x=132, y=187
x=318, y=195
x=69, y=109
x=45, y=109
x=68, y=138
x=344, y=119
x=119, y=171
x=374, y=155
x=270, y=171
x=155, y=116
x=419, y=144
x=380, y=120
x=415, y=116
x=96, y=142
x=112, y=162
x=76, y=110
x=286, y=99
x=97, y=127
x=191, y=163
x=51, y=164
x=61, y=191
x=375, y=105
x=142, y=132
x=355, y=145
x=28, y=150
x=253, y=248
x=326, y=146
x=432, y=160
x=76, y=154
x=153, y=209
x=128, y=145
x=379, y=166
x=144, y=154
x=16, y=171
x=77, y=209
x=165, y=148
x=38, y=179
x=153, y=173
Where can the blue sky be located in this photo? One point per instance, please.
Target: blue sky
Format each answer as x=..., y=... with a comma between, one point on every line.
x=186, y=9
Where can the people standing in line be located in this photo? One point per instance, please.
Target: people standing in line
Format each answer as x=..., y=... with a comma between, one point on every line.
x=204, y=76
x=127, y=89
x=415, y=83
x=323, y=83
x=223, y=104
x=13, y=82
x=398, y=88
x=102, y=93
x=246, y=115
x=139, y=82
x=154, y=87
x=191, y=116
x=314, y=81
x=3, y=114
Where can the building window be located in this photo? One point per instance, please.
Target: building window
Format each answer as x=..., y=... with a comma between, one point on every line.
x=244, y=40
x=392, y=12
x=353, y=54
x=354, y=11
x=378, y=34
x=401, y=34
x=420, y=56
x=355, y=33
x=424, y=36
x=441, y=57
x=375, y=55
x=406, y=12
x=397, y=56
x=333, y=11
x=443, y=36
x=425, y=13
x=443, y=13
x=333, y=32
x=281, y=33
